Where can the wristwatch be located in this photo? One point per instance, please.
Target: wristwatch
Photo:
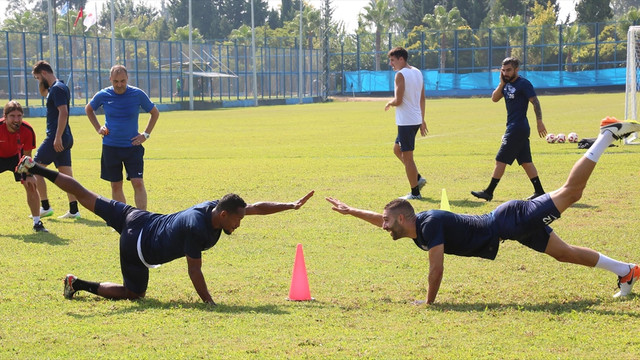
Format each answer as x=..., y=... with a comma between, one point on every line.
x=146, y=135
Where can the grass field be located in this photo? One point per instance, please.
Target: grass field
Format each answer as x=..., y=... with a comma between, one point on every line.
x=523, y=305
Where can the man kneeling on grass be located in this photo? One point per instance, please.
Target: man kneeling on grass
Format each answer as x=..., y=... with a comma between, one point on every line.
x=443, y=232
x=148, y=239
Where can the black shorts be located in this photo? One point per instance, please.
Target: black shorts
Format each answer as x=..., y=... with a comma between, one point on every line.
x=129, y=222
x=407, y=137
x=9, y=164
x=46, y=154
x=527, y=221
x=514, y=147
x=114, y=157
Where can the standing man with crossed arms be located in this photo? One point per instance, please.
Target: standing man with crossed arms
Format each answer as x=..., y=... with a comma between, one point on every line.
x=121, y=142
x=409, y=101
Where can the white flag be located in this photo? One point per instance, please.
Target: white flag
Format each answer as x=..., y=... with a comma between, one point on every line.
x=89, y=20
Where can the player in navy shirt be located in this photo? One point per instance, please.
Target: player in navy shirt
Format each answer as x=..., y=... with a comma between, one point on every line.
x=148, y=239
x=517, y=93
x=121, y=141
x=442, y=232
x=56, y=147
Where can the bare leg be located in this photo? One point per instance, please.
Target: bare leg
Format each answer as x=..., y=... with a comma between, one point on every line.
x=140, y=193
x=530, y=169
x=69, y=185
x=33, y=199
x=498, y=171
x=572, y=190
x=117, y=291
x=117, y=193
x=410, y=168
x=564, y=252
x=67, y=171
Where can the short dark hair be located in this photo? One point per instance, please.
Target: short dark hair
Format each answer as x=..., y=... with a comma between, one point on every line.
x=513, y=61
x=231, y=203
x=12, y=106
x=398, y=52
x=117, y=69
x=401, y=206
x=41, y=66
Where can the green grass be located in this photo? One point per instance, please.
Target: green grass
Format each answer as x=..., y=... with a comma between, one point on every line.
x=522, y=305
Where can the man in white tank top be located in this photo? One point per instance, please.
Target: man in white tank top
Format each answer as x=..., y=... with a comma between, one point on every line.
x=409, y=101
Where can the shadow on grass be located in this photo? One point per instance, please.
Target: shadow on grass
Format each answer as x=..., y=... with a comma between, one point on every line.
x=552, y=307
x=40, y=238
x=93, y=223
x=582, y=206
x=147, y=303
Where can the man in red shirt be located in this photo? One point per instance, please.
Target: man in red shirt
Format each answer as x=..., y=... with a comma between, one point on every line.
x=17, y=138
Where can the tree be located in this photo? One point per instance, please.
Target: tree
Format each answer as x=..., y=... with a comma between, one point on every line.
x=414, y=11
x=473, y=11
x=381, y=16
x=543, y=31
x=289, y=9
x=592, y=11
x=505, y=31
x=182, y=34
x=27, y=21
x=444, y=22
x=622, y=7
x=205, y=16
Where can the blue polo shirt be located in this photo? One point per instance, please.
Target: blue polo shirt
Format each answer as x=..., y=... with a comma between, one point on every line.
x=121, y=113
x=463, y=235
x=172, y=236
x=516, y=98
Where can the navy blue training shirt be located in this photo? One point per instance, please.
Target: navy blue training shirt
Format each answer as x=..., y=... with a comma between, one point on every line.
x=463, y=235
x=172, y=236
x=516, y=98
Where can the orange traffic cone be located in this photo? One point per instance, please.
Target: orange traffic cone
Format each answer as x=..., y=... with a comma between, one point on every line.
x=299, y=290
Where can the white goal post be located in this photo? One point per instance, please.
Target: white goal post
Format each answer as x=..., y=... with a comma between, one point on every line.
x=633, y=79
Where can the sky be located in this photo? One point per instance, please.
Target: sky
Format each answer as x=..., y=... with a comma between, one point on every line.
x=344, y=10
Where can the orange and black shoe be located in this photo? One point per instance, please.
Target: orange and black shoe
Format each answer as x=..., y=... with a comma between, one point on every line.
x=619, y=129
x=625, y=283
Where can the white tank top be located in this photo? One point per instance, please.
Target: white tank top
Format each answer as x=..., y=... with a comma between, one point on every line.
x=409, y=112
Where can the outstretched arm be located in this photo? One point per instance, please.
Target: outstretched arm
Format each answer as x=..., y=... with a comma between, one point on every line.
x=268, y=207
x=366, y=215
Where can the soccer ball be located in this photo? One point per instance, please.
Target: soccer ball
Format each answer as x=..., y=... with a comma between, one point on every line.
x=561, y=139
x=551, y=138
x=572, y=137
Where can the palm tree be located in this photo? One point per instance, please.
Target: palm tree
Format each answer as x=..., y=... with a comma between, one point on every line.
x=27, y=21
x=381, y=15
x=444, y=22
x=507, y=28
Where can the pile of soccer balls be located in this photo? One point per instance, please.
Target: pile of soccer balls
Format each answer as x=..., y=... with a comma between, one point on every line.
x=562, y=138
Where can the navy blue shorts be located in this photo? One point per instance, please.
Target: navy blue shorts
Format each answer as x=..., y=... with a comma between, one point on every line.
x=514, y=147
x=128, y=221
x=9, y=164
x=407, y=137
x=114, y=157
x=46, y=154
x=526, y=221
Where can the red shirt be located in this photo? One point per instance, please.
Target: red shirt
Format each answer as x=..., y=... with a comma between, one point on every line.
x=12, y=144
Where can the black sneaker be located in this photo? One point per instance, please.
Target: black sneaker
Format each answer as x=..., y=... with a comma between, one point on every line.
x=482, y=195
x=39, y=227
x=535, y=195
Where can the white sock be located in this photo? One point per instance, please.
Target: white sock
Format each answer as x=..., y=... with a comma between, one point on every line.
x=599, y=146
x=615, y=266
x=36, y=219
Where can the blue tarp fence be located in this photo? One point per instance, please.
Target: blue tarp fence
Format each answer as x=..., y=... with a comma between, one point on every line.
x=366, y=81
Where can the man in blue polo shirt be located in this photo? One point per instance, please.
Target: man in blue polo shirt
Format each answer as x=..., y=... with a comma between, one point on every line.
x=443, y=232
x=121, y=141
x=149, y=239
